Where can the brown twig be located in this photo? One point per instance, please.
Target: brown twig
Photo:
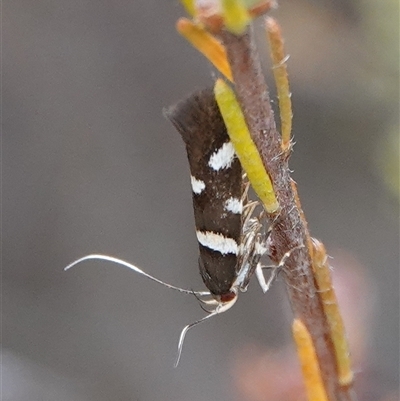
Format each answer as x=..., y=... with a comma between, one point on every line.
x=290, y=230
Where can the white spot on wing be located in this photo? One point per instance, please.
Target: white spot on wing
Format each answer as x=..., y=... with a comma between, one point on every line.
x=223, y=157
x=217, y=242
x=197, y=185
x=234, y=205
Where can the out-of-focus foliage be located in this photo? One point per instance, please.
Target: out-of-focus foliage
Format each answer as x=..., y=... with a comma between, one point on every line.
x=381, y=24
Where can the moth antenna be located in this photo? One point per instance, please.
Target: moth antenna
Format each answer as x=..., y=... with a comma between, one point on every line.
x=186, y=329
x=135, y=269
x=220, y=308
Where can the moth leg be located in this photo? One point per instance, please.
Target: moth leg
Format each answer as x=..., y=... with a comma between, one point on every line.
x=265, y=285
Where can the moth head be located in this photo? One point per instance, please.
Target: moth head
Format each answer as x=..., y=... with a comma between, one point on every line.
x=226, y=301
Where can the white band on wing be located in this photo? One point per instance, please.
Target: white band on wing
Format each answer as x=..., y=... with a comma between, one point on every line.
x=217, y=242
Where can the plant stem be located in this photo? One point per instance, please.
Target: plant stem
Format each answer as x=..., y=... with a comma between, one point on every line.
x=290, y=229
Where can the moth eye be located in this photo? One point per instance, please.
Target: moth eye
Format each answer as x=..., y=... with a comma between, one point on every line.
x=229, y=296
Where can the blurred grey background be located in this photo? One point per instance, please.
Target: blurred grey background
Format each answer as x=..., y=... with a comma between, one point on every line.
x=90, y=165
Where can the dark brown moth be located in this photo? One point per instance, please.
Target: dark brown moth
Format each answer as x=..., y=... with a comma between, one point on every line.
x=217, y=189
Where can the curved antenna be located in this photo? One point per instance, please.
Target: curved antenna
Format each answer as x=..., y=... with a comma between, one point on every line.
x=135, y=269
x=220, y=308
x=186, y=329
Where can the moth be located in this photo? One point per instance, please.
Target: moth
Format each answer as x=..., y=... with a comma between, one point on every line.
x=230, y=241
x=230, y=235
